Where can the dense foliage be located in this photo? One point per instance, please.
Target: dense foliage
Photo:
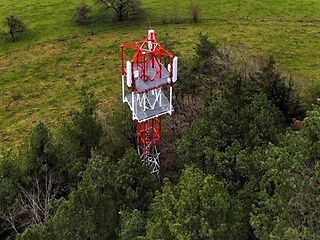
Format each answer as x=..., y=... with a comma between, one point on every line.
x=198, y=207
x=241, y=168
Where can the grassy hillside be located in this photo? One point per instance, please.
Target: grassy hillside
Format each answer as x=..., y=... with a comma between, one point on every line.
x=53, y=19
x=41, y=74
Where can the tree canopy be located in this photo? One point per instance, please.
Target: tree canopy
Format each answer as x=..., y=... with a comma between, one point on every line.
x=238, y=166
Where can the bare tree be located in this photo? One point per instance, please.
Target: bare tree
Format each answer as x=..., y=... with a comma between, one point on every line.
x=15, y=25
x=123, y=9
x=11, y=217
x=33, y=206
x=37, y=203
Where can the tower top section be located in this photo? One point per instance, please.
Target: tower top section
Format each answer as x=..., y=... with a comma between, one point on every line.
x=151, y=67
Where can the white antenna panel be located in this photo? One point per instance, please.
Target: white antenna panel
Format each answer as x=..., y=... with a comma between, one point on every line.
x=136, y=74
x=169, y=67
x=129, y=73
x=175, y=69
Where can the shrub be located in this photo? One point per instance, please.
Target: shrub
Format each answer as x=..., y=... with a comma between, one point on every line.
x=311, y=96
x=195, y=13
x=81, y=15
x=164, y=19
x=280, y=90
x=16, y=95
x=204, y=51
x=15, y=26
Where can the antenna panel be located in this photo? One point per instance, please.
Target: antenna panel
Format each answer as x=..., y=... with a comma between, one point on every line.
x=129, y=73
x=175, y=69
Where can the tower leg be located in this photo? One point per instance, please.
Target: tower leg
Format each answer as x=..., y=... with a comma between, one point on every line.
x=149, y=138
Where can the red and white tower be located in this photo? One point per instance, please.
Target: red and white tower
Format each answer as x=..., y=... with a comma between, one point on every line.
x=147, y=88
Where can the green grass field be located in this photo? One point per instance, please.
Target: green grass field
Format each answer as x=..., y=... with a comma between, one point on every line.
x=41, y=73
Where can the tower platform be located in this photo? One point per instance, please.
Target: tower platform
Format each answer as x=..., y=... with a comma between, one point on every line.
x=148, y=105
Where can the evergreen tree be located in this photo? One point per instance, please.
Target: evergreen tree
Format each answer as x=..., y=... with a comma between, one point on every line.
x=134, y=183
x=132, y=225
x=288, y=201
x=199, y=207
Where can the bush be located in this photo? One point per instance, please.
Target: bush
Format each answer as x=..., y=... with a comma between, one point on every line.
x=195, y=13
x=164, y=19
x=311, y=96
x=280, y=90
x=82, y=14
x=204, y=50
x=15, y=26
x=173, y=20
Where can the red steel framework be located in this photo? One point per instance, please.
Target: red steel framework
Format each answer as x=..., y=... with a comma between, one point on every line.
x=146, y=74
x=148, y=135
x=149, y=53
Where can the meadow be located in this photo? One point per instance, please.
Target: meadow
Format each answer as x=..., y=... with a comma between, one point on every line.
x=41, y=74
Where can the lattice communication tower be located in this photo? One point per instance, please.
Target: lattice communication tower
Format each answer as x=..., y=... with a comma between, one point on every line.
x=147, y=82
